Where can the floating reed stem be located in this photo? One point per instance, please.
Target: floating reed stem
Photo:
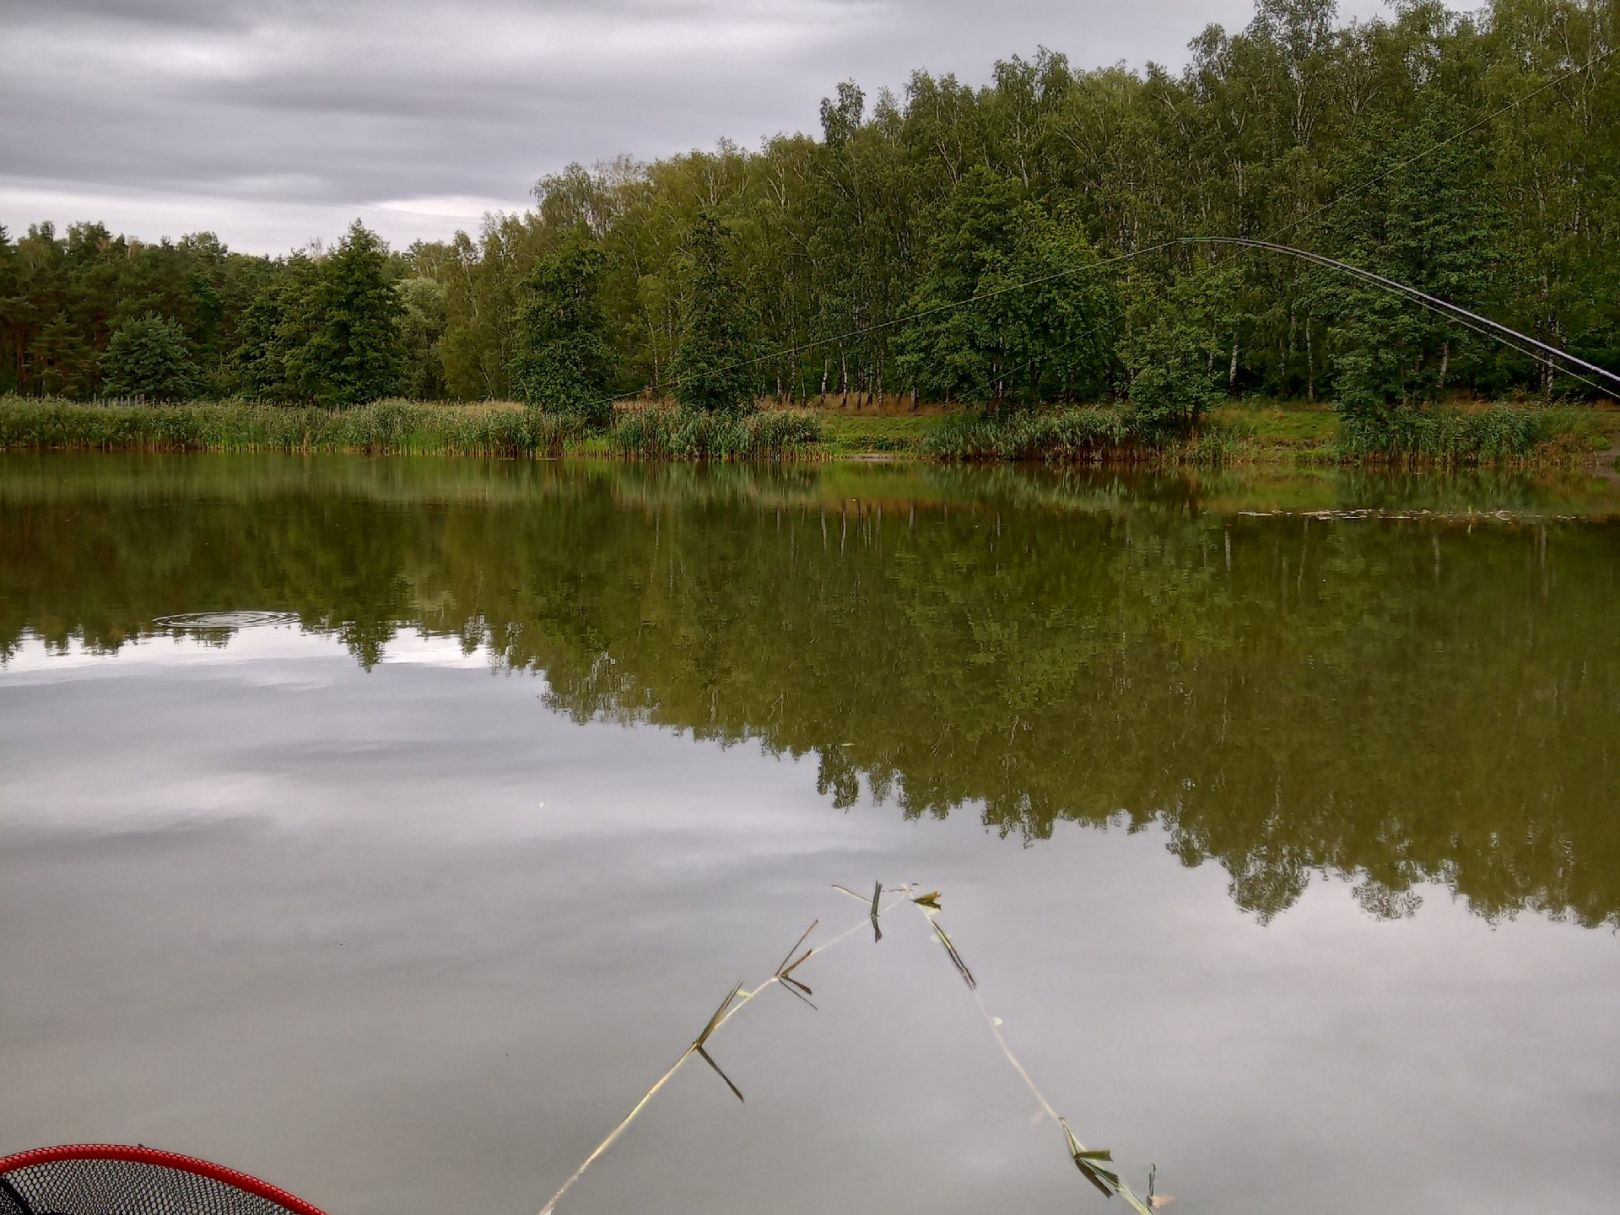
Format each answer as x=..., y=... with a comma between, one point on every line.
x=1095, y=1164
x=734, y=1002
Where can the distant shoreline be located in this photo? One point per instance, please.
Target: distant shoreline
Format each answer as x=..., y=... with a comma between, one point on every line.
x=1282, y=434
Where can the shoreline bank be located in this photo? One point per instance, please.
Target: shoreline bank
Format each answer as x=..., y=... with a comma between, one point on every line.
x=1269, y=434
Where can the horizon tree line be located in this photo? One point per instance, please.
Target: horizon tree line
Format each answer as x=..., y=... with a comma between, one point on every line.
x=1475, y=157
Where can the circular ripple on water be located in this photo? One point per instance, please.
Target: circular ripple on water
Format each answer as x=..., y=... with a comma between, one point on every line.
x=225, y=620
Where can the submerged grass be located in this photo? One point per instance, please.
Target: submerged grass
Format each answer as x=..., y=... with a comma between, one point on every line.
x=1095, y=1164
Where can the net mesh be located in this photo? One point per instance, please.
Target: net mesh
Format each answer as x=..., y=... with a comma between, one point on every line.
x=123, y=1187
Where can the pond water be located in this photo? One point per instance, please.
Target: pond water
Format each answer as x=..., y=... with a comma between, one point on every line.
x=386, y=827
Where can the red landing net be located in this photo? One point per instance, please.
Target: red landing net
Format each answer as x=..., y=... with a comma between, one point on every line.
x=106, y=1179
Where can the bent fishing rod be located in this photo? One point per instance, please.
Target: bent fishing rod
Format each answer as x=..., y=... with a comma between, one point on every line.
x=1498, y=330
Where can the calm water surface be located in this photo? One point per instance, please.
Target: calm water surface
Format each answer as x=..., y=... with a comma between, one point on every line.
x=1277, y=819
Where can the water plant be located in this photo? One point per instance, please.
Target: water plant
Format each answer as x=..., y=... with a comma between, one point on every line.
x=691, y=434
x=389, y=427
x=1087, y=434
x=1095, y=1164
x=1080, y=435
x=1500, y=434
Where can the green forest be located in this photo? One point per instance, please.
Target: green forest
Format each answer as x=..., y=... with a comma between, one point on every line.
x=1475, y=157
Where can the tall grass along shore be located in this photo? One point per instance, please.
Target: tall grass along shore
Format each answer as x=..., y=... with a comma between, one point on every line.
x=1496, y=434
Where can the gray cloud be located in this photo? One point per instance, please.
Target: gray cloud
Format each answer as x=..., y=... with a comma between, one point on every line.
x=275, y=122
x=171, y=13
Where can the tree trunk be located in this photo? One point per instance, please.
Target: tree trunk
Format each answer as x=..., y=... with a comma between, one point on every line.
x=1310, y=364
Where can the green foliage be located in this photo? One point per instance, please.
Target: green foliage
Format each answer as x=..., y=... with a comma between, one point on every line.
x=149, y=359
x=353, y=352
x=1502, y=434
x=1084, y=435
x=1169, y=354
x=714, y=370
x=63, y=296
x=1424, y=145
x=1429, y=227
x=872, y=433
x=981, y=333
x=277, y=322
x=422, y=325
x=382, y=428
x=563, y=363
x=694, y=434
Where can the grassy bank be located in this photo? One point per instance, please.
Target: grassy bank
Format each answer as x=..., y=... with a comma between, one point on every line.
x=386, y=428
x=1258, y=433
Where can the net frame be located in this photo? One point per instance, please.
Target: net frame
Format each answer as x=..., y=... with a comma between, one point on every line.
x=231, y=1183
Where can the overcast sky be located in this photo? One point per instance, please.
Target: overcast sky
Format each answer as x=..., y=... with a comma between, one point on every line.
x=274, y=122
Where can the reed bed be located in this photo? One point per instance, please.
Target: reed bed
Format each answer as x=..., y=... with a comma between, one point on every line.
x=681, y=434
x=1513, y=435
x=1082, y=435
x=402, y=428
x=383, y=428
x=1095, y=1164
x=1059, y=436
x=1501, y=434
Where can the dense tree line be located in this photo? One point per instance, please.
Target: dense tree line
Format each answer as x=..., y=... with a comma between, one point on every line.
x=1474, y=157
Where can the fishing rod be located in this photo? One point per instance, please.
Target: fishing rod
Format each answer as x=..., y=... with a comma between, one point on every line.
x=1497, y=330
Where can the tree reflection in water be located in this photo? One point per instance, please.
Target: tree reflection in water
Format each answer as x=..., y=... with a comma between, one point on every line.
x=1396, y=701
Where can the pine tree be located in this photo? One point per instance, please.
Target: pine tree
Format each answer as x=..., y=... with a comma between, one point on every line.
x=149, y=358
x=354, y=353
